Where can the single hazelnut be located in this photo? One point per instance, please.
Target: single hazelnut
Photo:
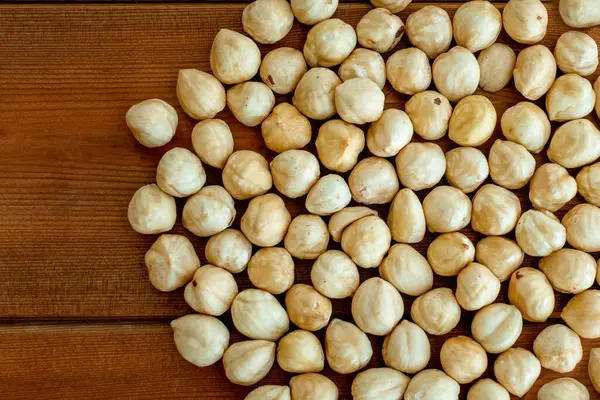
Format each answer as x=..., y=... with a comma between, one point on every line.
x=282, y=69
x=575, y=144
x=501, y=255
x=153, y=122
x=234, y=58
x=310, y=12
x=576, y=52
x=570, y=97
x=394, y=6
x=436, y=311
x=201, y=95
x=539, y=233
x=151, y=210
x=487, y=389
x=328, y=195
x=497, y=327
x=456, y=74
x=582, y=224
x=432, y=384
x=270, y=392
x=517, y=370
x=430, y=29
x=420, y=165
x=200, y=339
x=563, y=388
x=390, y=133
x=286, y=129
x=213, y=142
x=329, y=43
x=558, y=348
x=477, y=25
x=258, y=315
x=430, y=114
x=313, y=386
x=535, y=70
x=530, y=291
x=496, y=65
x=229, y=250
x=339, y=144
x=527, y=125
x=315, y=93
x=209, y=211
x=373, y=181
x=266, y=220
x=476, y=287
x=408, y=71
x=473, y=121
x=463, y=359
x=295, y=172
x=379, y=383
x=588, y=184
x=406, y=218
x=406, y=269
x=551, y=187
x=211, y=291
x=348, y=349
x=449, y=253
x=582, y=314
x=359, y=100
x=267, y=21
x=379, y=30
x=511, y=165
x=246, y=175
x=271, y=269
x=180, y=173
x=364, y=63
x=335, y=275
x=377, y=306
x=366, y=241
x=495, y=210
x=307, y=237
x=171, y=262
x=300, y=351
x=579, y=13
x=344, y=218
x=407, y=348
x=250, y=102
x=446, y=209
x=594, y=368
x=466, y=168
x=307, y=308
x=247, y=362
x=525, y=20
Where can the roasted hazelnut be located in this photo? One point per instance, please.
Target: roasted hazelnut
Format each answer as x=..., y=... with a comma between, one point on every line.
x=594, y=368
x=344, y=218
x=213, y=142
x=390, y=133
x=200, y=339
x=377, y=307
x=527, y=125
x=576, y=52
x=329, y=43
x=558, y=348
x=335, y=275
x=315, y=93
x=449, y=253
x=530, y=291
x=406, y=218
x=153, y=122
x=267, y=21
x=379, y=30
x=511, y=165
x=463, y=359
x=250, y=102
x=539, y=233
x=295, y=172
x=408, y=71
x=201, y=95
x=171, y=262
x=359, y=100
x=180, y=173
x=476, y=287
x=151, y=210
x=501, y=255
x=517, y=370
x=258, y=315
x=339, y=144
x=420, y=165
x=582, y=223
x=582, y=314
x=525, y=20
x=563, y=388
x=477, y=25
x=307, y=308
x=570, y=97
x=497, y=327
x=209, y=211
x=211, y=291
x=487, y=389
x=446, y=209
x=496, y=65
x=310, y=12
x=535, y=70
x=269, y=392
x=229, y=250
x=366, y=241
x=300, y=351
x=579, y=13
x=286, y=129
x=430, y=114
x=379, y=383
x=247, y=362
x=575, y=144
x=364, y=63
x=473, y=121
x=348, y=349
x=495, y=210
x=456, y=73
x=282, y=69
x=246, y=175
x=406, y=269
x=373, y=181
x=266, y=220
x=430, y=29
x=271, y=269
x=313, y=386
x=588, y=184
x=407, y=348
x=307, y=237
x=234, y=58
x=466, y=168
x=436, y=311
x=551, y=187
x=328, y=195
x=432, y=384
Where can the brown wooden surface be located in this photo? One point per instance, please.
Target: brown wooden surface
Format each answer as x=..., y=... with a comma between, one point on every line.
x=79, y=317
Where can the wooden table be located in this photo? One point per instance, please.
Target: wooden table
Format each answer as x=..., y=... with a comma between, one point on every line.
x=79, y=318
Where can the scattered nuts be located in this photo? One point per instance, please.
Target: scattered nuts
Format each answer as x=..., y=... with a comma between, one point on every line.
x=246, y=363
x=200, y=339
x=151, y=210
x=449, y=253
x=487, y=389
x=497, y=327
x=315, y=93
x=473, y=121
x=495, y=210
x=379, y=383
x=407, y=348
x=153, y=122
x=477, y=25
x=476, y=287
x=282, y=69
x=582, y=314
x=530, y=291
x=432, y=384
x=539, y=233
x=267, y=21
x=576, y=52
x=359, y=100
x=348, y=349
x=344, y=218
x=377, y=307
x=310, y=12
x=408, y=71
x=373, y=181
x=466, y=168
x=511, y=165
x=570, y=97
x=266, y=220
x=307, y=308
x=366, y=241
x=234, y=58
x=335, y=275
x=501, y=255
x=307, y=237
x=594, y=368
x=213, y=142
x=390, y=133
x=171, y=262
x=201, y=95
x=329, y=43
x=558, y=348
x=517, y=370
x=286, y=129
x=535, y=70
x=436, y=311
x=430, y=114
x=364, y=63
x=300, y=351
x=463, y=359
x=250, y=102
x=269, y=392
x=446, y=209
x=229, y=250
x=406, y=218
x=588, y=184
x=271, y=269
x=525, y=20
x=496, y=65
x=211, y=291
x=579, y=13
x=339, y=144
x=456, y=74
x=575, y=144
x=430, y=29
x=563, y=388
x=313, y=386
x=180, y=173
x=246, y=175
x=328, y=195
x=582, y=223
x=420, y=165
x=295, y=172
x=208, y=212
x=551, y=187
x=379, y=30
x=258, y=315
x=406, y=269
x=526, y=124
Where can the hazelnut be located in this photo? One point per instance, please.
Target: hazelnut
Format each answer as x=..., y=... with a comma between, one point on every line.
x=530, y=291
x=570, y=97
x=171, y=262
x=180, y=173
x=408, y=71
x=211, y=291
x=329, y=195
x=390, y=133
x=246, y=363
x=420, y=165
x=394, y=6
x=266, y=220
x=315, y=93
x=463, y=359
x=436, y=311
x=234, y=58
x=213, y=142
x=250, y=102
x=551, y=187
x=153, y=122
x=579, y=13
x=200, y=339
x=364, y=63
x=594, y=368
x=286, y=129
x=517, y=370
x=497, y=327
x=582, y=314
x=449, y=253
x=344, y=218
x=267, y=21
x=476, y=287
x=407, y=348
x=269, y=392
x=558, y=348
x=501, y=255
x=339, y=144
x=432, y=384
x=313, y=386
x=535, y=69
x=311, y=12
x=377, y=307
x=446, y=209
x=525, y=20
x=307, y=308
x=300, y=351
x=477, y=25
x=511, y=165
x=348, y=348
x=359, y=100
x=379, y=30
x=430, y=29
x=582, y=223
x=406, y=269
x=295, y=172
x=373, y=181
x=271, y=269
x=575, y=144
x=576, y=52
x=282, y=69
x=430, y=114
x=229, y=250
x=588, y=184
x=496, y=65
x=258, y=315
x=379, y=383
x=335, y=275
x=246, y=175
x=456, y=75
x=539, y=233
x=495, y=210
x=151, y=210
x=366, y=241
x=307, y=237
x=208, y=212
x=473, y=121
x=406, y=218
x=487, y=389
x=329, y=43
x=466, y=168
x=563, y=388
x=526, y=124
x=201, y=95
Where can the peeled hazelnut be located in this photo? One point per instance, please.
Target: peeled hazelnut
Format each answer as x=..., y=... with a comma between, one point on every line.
x=570, y=97
x=344, y=218
x=563, y=388
x=200, y=339
x=466, y=168
x=579, y=13
x=487, y=389
x=335, y=275
x=501, y=255
x=282, y=69
x=266, y=220
x=295, y=172
x=539, y=233
x=151, y=210
x=209, y=211
x=390, y=133
x=377, y=307
x=408, y=71
x=495, y=210
x=525, y=20
x=269, y=392
x=379, y=383
x=267, y=21
x=551, y=187
x=364, y=63
x=339, y=144
x=258, y=315
x=229, y=250
x=328, y=195
x=211, y=291
x=307, y=237
x=517, y=370
x=430, y=114
x=246, y=175
x=582, y=223
x=473, y=121
x=250, y=102
x=313, y=386
x=234, y=58
x=271, y=269
x=406, y=218
x=432, y=384
x=373, y=181
x=496, y=65
x=530, y=291
x=430, y=29
x=477, y=25
x=171, y=262
x=576, y=52
x=594, y=368
x=497, y=327
x=588, y=184
x=406, y=269
x=246, y=363
x=535, y=70
x=366, y=241
x=359, y=100
x=300, y=351
x=420, y=165
x=449, y=253
x=379, y=30
x=348, y=349
x=476, y=287
x=201, y=95
x=456, y=75
x=329, y=43
x=307, y=308
x=153, y=122
x=436, y=311
x=511, y=165
x=558, y=348
x=526, y=124
x=315, y=94
x=180, y=173
x=213, y=142
x=446, y=209
x=286, y=129
x=575, y=144
x=463, y=359
x=407, y=348
x=582, y=314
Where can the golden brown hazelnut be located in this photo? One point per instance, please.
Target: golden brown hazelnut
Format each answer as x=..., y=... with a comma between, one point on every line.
x=359, y=100
x=328, y=195
x=315, y=93
x=436, y=311
x=497, y=327
x=420, y=165
x=209, y=211
x=430, y=29
x=588, y=183
x=211, y=291
x=563, y=388
x=234, y=58
x=366, y=241
x=329, y=43
x=558, y=348
x=286, y=129
x=432, y=384
x=180, y=173
x=487, y=389
x=406, y=218
x=339, y=144
x=390, y=133
x=535, y=70
x=295, y=172
x=575, y=144
x=406, y=269
x=496, y=65
x=407, y=348
x=511, y=165
x=271, y=269
x=466, y=168
x=229, y=250
x=200, y=339
x=250, y=102
x=551, y=187
x=449, y=253
x=373, y=181
x=576, y=52
x=446, y=209
x=525, y=20
x=495, y=210
x=456, y=73
x=246, y=175
x=477, y=25
x=282, y=69
x=377, y=306
x=430, y=114
x=153, y=122
x=539, y=233
x=530, y=291
x=364, y=63
x=501, y=255
x=473, y=121
x=269, y=392
x=171, y=262
x=151, y=210
x=307, y=237
x=570, y=97
x=379, y=383
x=247, y=362
x=526, y=124
x=258, y=315
x=476, y=287
x=310, y=12
x=307, y=308
x=463, y=359
x=335, y=275
x=313, y=386
x=266, y=220
x=582, y=223
x=300, y=351
x=582, y=314
x=213, y=142
x=201, y=95
x=408, y=71
x=379, y=30
x=348, y=349
x=517, y=370
x=267, y=21
x=580, y=13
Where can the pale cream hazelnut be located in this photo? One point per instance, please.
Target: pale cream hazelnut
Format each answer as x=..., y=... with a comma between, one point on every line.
x=511, y=165
x=526, y=124
x=246, y=175
x=446, y=209
x=530, y=291
x=247, y=362
x=407, y=348
x=436, y=311
x=517, y=370
x=535, y=70
x=379, y=383
x=373, y=181
x=250, y=102
x=408, y=71
x=406, y=269
x=315, y=93
x=307, y=308
x=580, y=13
x=456, y=75
x=335, y=275
x=366, y=241
x=466, y=168
x=229, y=250
x=430, y=29
x=295, y=172
x=153, y=122
x=588, y=183
x=201, y=95
x=348, y=349
x=575, y=144
x=267, y=21
x=463, y=359
x=582, y=223
x=525, y=21
x=213, y=142
x=570, y=97
x=282, y=69
x=473, y=121
x=476, y=287
x=329, y=43
x=406, y=218
x=420, y=165
x=271, y=269
x=558, y=348
x=379, y=30
x=307, y=237
x=328, y=195
x=551, y=187
x=497, y=327
x=377, y=306
x=234, y=58
x=300, y=351
x=364, y=63
x=266, y=220
x=180, y=173
x=449, y=253
x=390, y=133
x=209, y=211
x=594, y=368
x=495, y=210
x=563, y=388
x=576, y=52
x=339, y=144
x=200, y=339
x=171, y=262
x=501, y=255
x=430, y=114
x=394, y=6
x=269, y=392
x=487, y=389
x=582, y=314
x=344, y=218
x=286, y=129
x=359, y=100
x=432, y=384
x=310, y=12
x=477, y=25
x=496, y=65
x=151, y=210
x=258, y=315
x=539, y=233
x=211, y=291
x=313, y=386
